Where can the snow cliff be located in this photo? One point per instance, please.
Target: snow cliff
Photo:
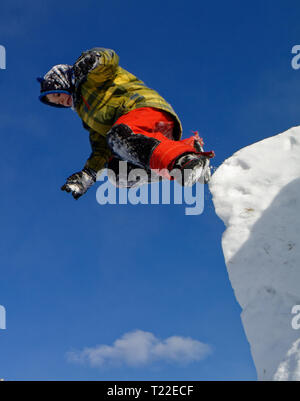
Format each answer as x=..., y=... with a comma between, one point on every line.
x=256, y=193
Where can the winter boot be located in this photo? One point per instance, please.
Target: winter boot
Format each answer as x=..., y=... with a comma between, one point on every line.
x=134, y=148
x=198, y=144
x=190, y=168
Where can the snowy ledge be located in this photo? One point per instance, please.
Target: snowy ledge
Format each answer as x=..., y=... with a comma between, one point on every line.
x=256, y=193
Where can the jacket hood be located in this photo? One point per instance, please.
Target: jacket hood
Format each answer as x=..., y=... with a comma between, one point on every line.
x=60, y=79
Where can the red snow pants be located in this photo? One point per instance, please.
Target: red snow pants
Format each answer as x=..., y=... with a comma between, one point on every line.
x=157, y=124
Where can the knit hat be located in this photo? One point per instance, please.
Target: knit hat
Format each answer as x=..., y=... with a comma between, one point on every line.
x=59, y=79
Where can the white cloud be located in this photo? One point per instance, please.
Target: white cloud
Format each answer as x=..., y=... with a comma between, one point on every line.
x=140, y=348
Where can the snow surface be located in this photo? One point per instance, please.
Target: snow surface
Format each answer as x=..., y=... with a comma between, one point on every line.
x=256, y=192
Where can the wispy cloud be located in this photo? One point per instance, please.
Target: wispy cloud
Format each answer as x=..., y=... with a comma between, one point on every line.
x=140, y=348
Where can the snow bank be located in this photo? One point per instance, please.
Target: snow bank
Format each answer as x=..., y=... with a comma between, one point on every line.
x=256, y=193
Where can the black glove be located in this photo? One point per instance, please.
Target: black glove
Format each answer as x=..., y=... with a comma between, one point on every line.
x=80, y=182
x=84, y=65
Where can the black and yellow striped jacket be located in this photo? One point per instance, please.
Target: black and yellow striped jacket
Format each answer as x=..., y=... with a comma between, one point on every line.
x=106, y=93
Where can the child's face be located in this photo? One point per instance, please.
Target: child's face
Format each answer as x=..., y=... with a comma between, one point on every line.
x=60, y=98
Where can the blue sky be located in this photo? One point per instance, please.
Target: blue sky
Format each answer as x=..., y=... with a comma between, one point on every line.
x=77, y=274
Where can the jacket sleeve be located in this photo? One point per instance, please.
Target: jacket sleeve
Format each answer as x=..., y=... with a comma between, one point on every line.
x=96, y=66
x=100, y=152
